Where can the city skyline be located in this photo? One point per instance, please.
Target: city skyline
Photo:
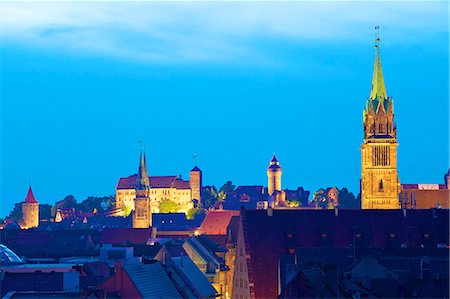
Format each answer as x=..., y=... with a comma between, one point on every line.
x=81, y=146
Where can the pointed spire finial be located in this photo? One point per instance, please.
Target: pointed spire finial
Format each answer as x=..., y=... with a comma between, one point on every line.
x=194, y=157
x=378, y=91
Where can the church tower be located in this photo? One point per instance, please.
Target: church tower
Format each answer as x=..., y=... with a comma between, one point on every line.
x=142, y=215
x=195, y=182
x=379, y=178
x=274, y=176
x=30, y=211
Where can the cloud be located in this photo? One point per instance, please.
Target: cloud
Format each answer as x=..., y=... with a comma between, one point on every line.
x=168, y=32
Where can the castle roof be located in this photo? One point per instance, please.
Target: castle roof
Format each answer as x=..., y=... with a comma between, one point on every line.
x=170, y=181
x=274, y=164
x=30, y=197
x=195, y=168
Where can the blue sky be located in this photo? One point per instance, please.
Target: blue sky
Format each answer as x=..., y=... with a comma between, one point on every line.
x=83, y=82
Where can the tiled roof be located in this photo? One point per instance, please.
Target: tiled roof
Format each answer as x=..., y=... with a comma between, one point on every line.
x=216, y=222
x=299, y=287
x=155, y=182
x=30, y=197
x=269, y=237
x=125, y=235
x=250, y=190
x=196, y=277
x=151, y=280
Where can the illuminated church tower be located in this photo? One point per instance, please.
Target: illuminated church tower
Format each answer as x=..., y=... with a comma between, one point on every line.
x=142, y=215
x=274, y=176
x=379, y=179
x=30, y=211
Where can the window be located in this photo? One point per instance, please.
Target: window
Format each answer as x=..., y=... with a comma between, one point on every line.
x=380, y=186
x=381, y=155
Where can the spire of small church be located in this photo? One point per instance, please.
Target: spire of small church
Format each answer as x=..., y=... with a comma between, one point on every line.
x=142, y=181
x=378, y=88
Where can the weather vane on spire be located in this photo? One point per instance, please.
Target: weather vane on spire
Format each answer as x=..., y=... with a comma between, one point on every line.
x=377, y=36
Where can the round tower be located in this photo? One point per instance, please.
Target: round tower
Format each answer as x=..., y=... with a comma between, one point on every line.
x=195, y=182
x=274, y=176
x=30, y=211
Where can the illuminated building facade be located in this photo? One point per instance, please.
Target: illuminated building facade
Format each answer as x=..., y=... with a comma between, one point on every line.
x=183, y=193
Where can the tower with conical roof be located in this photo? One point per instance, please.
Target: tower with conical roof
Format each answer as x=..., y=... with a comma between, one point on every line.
x=30, y=211
x=274, y=172
x=379, y=178
x=142, y=214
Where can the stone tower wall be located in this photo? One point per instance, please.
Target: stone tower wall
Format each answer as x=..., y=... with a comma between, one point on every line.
x=30, y=213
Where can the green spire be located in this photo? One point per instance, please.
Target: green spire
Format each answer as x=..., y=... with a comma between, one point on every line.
x=378, y=96
x=378, y=89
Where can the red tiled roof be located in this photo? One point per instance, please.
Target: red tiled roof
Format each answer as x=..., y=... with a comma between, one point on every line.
x=30, y=197
x=269, y=237
x=125, y=235
x=170, y=181
x=216, y=222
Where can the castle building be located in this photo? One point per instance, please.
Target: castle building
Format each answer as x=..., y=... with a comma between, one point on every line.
x=30, y=211
x=142, y=215
x=173, y=188
x=380, y=185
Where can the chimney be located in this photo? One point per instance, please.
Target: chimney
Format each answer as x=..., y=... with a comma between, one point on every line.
x=269, y=211
x=404, y=212
x=336, y=211
x=118, y=276
x=153, y=236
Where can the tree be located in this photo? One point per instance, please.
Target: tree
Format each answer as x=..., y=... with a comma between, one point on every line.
x=347, y=200
x=126, y=210
x=209, y=196
x=226, y=188
x=99, y=203
x=320, y=199
x=16, y=213
x=194, y=212
x=67, y=203
x=168, y=206
x=45, y=211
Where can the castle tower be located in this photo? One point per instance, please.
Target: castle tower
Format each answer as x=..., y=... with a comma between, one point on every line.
x=195, y=181
x=379, y=178
x=274, y=176
x=30, y=211
x=142, y=215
